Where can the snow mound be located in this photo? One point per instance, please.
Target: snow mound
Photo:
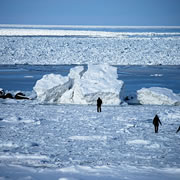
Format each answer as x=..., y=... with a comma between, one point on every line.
x=81, y=87
x=158, y=96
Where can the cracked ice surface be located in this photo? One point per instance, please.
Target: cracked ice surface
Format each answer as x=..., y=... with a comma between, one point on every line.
x=64, y=136
x=77, y=50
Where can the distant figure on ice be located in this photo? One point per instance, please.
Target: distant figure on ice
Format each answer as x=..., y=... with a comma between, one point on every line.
x=156, y=122
x=99, y=103
x=178, y=130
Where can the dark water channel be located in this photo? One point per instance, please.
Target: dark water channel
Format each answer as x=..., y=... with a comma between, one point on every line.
x=24, y=77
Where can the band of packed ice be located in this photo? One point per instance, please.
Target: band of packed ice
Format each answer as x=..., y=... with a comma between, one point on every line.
x=81, y=87
x=158, y=96
x=92, y=33
x=43, y=46
x=41, y=32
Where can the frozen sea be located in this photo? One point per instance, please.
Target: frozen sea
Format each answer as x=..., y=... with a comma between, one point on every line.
x=73, y=142
x=82, y=45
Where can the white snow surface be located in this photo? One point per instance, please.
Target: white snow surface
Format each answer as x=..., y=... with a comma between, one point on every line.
x=43, y=46
x=75, y=142
x=81, y=87
x=158, y=96
x=72, y=141
x=90, y=33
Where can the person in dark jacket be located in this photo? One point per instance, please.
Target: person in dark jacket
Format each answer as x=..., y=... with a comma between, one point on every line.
x=99, y=103
x=178, y=130
x=156, y=122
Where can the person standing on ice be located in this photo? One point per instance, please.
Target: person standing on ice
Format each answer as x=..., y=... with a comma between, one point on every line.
x=178, y=130
x=99, y=103
x=156, y=123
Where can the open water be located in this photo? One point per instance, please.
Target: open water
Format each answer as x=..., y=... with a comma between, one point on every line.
x=24, y=77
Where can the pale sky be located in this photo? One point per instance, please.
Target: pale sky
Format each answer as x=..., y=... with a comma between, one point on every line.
x=91, y=12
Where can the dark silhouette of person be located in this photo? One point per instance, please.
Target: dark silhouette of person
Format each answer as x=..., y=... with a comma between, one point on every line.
x=156, y=122
x=178, y=130
x=99, y=103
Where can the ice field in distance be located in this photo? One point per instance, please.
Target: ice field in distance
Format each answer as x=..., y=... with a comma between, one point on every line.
x=83, y=45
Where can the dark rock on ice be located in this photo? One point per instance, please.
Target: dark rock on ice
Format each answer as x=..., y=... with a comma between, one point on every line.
x=2, y=93
x=9, y=96
x=20, y=95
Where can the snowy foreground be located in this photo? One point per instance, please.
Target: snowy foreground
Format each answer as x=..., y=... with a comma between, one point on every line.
x=70, y=142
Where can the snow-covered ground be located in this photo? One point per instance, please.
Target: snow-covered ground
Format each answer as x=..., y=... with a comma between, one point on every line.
x=75, y=142
x=83, y=46
x=70, y=141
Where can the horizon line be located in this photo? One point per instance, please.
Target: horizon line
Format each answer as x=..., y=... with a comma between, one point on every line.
x=83, y=26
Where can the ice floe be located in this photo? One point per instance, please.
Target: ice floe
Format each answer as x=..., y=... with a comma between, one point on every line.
x=158, y=96
x=51, y=87
x=81, y=87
